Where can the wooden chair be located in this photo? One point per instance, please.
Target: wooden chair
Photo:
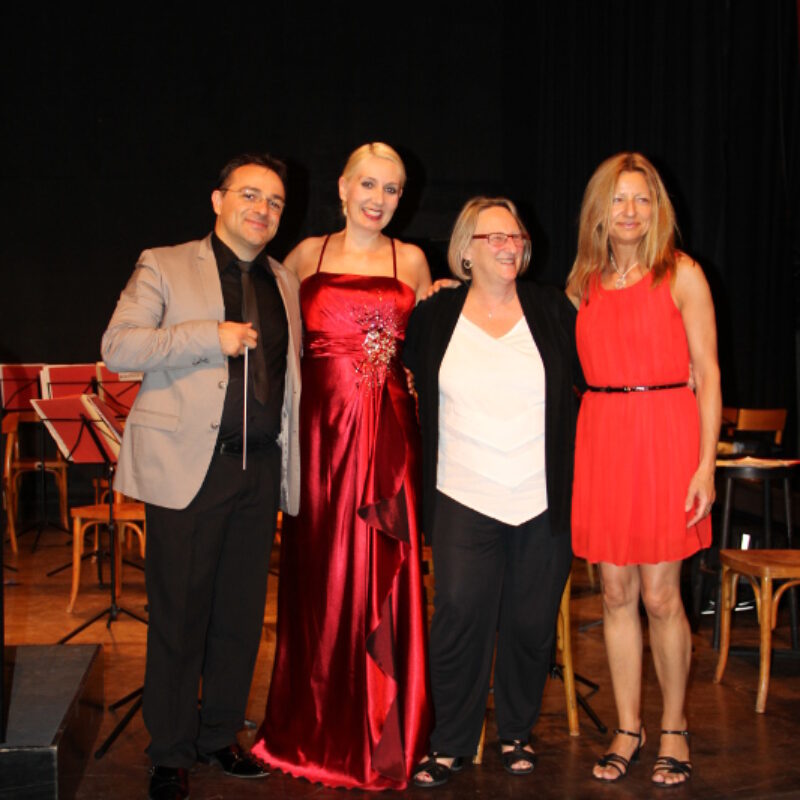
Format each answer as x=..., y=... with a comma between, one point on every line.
x=563, y=646
x=128, y=515
x=765, y=470
x=761, y=568
x=16, y=465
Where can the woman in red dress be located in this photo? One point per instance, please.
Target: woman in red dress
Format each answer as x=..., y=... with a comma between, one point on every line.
x=349, y=700
x=646, y=442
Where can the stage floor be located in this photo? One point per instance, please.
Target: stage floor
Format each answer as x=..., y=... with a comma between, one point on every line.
x=736, y=752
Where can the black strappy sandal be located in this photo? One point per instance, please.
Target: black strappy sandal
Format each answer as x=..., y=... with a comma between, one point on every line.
x=517, y=754
x=620, y=763
x=667, y=765
x=440, y=773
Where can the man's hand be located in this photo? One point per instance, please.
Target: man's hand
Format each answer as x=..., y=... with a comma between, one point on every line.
x=234, y=337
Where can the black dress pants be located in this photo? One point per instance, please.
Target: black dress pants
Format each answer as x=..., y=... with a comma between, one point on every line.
x=493, y=582
x=206, y=576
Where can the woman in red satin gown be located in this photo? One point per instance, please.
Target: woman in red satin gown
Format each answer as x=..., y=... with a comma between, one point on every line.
x=349, y=699
x=645, y=446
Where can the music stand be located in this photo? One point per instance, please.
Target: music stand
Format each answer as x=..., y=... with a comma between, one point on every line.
x=118, y=389
x=66, y=380
x=19, y=384
x=86, y=432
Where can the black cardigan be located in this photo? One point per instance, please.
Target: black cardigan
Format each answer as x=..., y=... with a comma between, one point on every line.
x=551, y=320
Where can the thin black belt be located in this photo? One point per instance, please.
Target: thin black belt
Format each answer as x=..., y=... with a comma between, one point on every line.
x=626, y=389
x=235, y=448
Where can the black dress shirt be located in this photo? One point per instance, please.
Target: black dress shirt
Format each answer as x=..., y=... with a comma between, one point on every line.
x=263, y=421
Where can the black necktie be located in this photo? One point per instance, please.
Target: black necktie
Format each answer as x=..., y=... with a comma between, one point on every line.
x=250, y=314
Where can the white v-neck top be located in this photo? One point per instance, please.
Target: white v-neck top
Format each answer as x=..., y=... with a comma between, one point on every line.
x=491, y=423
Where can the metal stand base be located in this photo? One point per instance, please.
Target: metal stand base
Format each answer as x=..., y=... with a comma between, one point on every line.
x=136, y=697
x=557, y=671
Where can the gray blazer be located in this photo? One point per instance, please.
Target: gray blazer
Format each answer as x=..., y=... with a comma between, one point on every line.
x=165, y=325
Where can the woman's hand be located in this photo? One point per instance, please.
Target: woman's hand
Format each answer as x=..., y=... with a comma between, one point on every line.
x=701, y=495
x=442, y=283
x=412, y=389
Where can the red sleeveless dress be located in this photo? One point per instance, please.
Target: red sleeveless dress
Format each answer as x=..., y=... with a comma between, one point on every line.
x=634, y=453
x=349, y=699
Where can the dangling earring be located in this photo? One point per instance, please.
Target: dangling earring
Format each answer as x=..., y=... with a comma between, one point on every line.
x=466, y=264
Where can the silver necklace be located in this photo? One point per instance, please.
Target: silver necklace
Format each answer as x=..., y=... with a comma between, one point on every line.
x=620, y=282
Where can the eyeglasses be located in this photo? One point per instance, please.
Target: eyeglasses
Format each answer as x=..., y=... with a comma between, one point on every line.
x=499, y=239
x=254, y=198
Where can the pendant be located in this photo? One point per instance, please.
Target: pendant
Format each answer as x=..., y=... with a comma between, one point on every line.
x=620, y=284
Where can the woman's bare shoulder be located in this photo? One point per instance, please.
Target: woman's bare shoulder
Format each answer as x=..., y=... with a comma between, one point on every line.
x=303, y=259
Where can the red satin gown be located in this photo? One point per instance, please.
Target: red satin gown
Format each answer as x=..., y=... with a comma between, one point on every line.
x=349, y=702
x=636, y=452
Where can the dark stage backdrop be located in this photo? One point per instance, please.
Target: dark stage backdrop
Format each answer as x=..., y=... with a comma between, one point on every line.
x=115, y=123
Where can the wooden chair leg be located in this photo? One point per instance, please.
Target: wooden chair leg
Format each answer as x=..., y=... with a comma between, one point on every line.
x=765, y=622
x=727, y=578
x=78, y=531
x=11, y=520
x=8, y=489
x=477, y=759
x=565, y=645
x=61, y=485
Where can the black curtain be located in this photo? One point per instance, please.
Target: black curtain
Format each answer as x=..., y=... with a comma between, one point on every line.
x=114, y=124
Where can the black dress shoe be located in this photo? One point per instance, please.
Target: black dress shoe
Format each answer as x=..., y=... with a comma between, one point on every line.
x=169, y=783
x=236, y=762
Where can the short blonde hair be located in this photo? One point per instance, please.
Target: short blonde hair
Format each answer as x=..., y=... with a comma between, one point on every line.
x=377, y=149
x=465, y=226
x=657, y=248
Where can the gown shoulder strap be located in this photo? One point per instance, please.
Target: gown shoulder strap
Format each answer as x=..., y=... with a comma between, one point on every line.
x=394, y=259
x=322, y=252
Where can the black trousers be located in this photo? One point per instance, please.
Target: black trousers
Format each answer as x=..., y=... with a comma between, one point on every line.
x=206, y=577
x=494, y=582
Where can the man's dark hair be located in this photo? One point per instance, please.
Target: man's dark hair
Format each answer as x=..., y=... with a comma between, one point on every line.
x=260, y=159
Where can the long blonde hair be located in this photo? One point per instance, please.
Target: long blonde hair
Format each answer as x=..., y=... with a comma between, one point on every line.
x=657, y=248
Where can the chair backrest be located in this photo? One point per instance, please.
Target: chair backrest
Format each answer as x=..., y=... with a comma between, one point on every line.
x=762, y=420
x=730, y=416
x=728, y=421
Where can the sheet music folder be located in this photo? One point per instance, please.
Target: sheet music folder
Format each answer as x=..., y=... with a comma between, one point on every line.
x=67, y=417
x=19, y=384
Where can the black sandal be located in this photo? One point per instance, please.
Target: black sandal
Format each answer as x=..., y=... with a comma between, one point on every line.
x=667, y=765
x=620, y=763
x=440, y=773
x=517, y=754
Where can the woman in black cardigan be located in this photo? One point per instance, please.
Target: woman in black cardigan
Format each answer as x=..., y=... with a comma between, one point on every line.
x=493, y=365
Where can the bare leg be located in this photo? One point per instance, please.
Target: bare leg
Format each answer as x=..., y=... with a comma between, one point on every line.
x=671, y=643
x=623, y=636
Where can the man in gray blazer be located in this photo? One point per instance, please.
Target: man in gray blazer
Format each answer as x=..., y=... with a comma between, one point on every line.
x=185, y=319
